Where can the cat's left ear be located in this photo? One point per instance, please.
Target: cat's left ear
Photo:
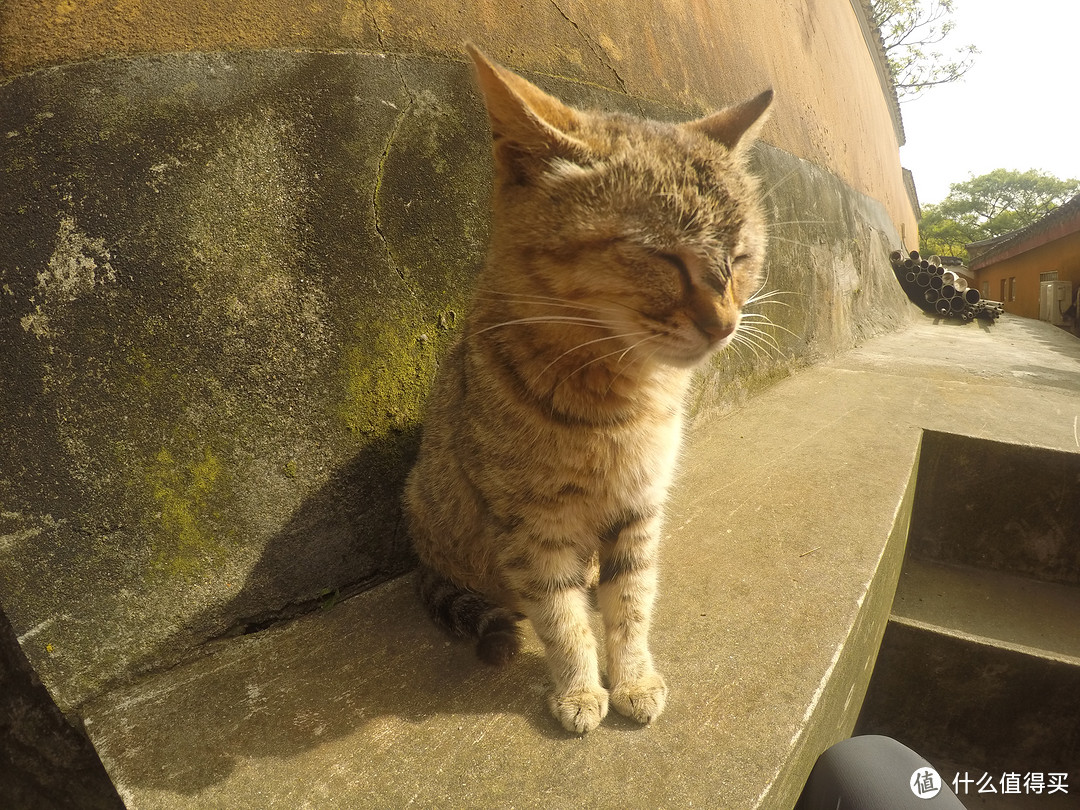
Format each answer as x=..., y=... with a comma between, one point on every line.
x=736, y=126
x=524, y=118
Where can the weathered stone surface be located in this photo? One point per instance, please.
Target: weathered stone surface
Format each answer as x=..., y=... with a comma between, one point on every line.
x=833, y=105
x=999, y=506
x=973, y=704
x=216, y=356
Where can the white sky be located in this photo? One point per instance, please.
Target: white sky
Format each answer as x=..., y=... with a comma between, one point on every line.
x=1017, y=108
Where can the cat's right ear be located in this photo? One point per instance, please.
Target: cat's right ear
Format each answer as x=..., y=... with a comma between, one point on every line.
x=736, y=126
x=527, y=124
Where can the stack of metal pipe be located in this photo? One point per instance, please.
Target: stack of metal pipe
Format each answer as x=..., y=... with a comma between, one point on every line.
x=941, y=291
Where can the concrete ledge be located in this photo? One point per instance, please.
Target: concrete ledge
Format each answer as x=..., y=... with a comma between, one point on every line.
x=780, y=563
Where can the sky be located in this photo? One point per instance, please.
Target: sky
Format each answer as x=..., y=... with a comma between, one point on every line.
x=1018, y=107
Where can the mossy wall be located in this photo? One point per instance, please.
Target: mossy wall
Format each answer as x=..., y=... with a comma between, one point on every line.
x=226, y=284
x=218, y=338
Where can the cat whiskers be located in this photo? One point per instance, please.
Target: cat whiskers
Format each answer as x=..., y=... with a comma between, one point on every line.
x=753, y=332
x=797, y=222
x=550, y=319
x=740, y=339
x=771, y=297
x=623, y=306
x=760, y=297
x=765, y=320
x=618, y=374
x=540, y=301
x=622, y=354
x=773, y=237
x=779, y=183
x=757, y=340
x=573, y=349
x=528, y=299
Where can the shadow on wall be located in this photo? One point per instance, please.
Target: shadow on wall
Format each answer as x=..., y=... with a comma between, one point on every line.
x=44, y=761
x=229, y=281
x=357, y=510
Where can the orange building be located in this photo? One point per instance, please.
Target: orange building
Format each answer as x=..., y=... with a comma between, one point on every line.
x=1014, y=267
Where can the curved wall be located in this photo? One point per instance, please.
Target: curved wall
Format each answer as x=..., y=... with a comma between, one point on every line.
x=240, y=235
x=685, y=54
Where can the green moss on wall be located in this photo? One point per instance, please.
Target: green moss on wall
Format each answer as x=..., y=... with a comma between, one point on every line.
x=189, y=495
x=386, y=374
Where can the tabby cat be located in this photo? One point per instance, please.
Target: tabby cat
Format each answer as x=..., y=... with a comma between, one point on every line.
x=621, y=253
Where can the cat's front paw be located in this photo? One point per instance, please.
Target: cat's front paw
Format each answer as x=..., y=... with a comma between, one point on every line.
x=582, y=711
x=642, y=699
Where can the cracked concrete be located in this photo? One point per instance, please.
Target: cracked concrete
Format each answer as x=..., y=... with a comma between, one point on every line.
x=391, y=136
x=598, y=50
x=380, y=172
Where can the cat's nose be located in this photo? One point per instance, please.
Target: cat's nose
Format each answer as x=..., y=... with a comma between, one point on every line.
x=713, y=326
x=715, y=320
x=719, y=332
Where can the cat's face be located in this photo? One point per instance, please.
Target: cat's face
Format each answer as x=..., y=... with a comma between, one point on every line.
x=653, y=228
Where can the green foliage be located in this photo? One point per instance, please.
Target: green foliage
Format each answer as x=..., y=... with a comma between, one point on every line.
x=990, y=205
x=941, y=236
x=909, y=30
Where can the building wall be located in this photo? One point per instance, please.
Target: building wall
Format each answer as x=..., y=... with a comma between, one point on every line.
x=688, y=55
x=1062, y=255
x=239, y=236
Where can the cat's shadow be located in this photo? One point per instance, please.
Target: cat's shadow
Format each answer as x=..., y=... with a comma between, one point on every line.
x=371, y=673
x=341, y=668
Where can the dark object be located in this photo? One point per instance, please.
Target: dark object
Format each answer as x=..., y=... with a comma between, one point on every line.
x=46, y=763
x=875, y=773
x=937, y=290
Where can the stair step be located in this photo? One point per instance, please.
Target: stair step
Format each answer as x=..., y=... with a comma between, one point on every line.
x=979, y=670
x=1019, y=612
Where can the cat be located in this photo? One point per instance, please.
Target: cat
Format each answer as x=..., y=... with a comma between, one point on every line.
x=621, y=253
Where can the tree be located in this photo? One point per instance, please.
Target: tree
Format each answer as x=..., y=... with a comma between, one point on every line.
x=909, y=29
x=990, y=205
x=941, y=236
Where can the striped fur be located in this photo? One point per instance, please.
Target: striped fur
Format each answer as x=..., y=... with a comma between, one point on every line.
x=621, y=253
x=468, y=614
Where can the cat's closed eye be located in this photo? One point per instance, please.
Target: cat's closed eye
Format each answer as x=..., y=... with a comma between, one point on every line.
x=714, y=276
x=676, y=261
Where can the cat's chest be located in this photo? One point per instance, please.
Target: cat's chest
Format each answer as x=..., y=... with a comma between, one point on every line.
x=634, y=461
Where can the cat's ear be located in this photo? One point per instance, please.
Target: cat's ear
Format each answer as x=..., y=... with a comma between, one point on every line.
x=736, y=126
x=524, y=117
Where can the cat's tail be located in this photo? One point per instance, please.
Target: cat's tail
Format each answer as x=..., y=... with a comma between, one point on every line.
x=466, y=613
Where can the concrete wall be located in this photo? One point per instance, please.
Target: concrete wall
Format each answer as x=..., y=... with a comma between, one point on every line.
x=830, y=110
x=238, y=237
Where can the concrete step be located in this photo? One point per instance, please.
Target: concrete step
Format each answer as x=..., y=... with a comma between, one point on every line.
x=980, y=671
x=979, y=710
x=1009, y=611
x=979, y=667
